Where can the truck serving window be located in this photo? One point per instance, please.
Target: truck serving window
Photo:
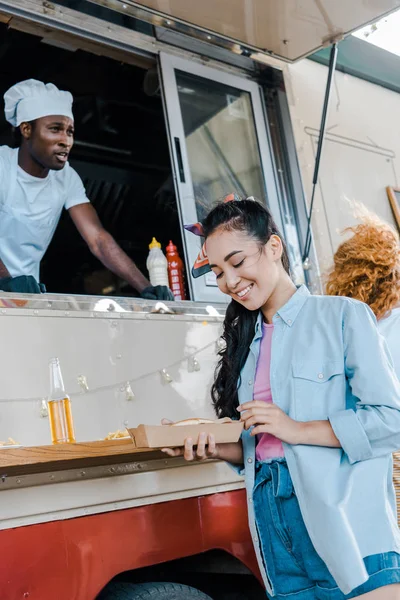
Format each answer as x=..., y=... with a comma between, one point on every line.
x=120, y=152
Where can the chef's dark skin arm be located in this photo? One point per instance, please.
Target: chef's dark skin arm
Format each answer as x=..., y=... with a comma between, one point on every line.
x=3, y=270
x=46, y=144
x=105, y=248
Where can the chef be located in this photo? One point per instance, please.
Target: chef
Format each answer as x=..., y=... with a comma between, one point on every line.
x=37, y=182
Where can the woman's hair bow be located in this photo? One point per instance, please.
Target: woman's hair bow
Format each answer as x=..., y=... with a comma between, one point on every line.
x=202, y=265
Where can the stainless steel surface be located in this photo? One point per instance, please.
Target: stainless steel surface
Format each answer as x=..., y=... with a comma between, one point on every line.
x=54, y=21
x=288, y=29
x=76, y=23
x=125, y=307
x=106, y=343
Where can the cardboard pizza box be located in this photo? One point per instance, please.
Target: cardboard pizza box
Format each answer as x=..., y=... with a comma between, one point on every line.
x=174, y=435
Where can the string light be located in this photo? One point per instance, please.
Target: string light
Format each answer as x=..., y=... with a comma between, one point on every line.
x=165, y=376
x=193, y=364
x=122, y=385
x=83, y=383
x=129, y=395
x=44, y=411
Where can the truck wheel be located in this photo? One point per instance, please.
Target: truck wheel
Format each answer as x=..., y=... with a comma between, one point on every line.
x=150, y=591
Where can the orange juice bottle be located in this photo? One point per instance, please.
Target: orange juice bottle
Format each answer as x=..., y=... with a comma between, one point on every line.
x=59, y=403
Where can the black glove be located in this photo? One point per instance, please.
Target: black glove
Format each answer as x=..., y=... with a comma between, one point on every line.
x=23, y=284
x=157, y=292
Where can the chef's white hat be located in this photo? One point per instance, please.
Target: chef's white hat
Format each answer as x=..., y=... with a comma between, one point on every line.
x=31, y=99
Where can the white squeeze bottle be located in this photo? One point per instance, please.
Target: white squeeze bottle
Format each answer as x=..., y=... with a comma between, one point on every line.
x=157, y=264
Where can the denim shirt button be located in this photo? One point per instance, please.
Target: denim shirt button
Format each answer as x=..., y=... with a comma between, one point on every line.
x=249, y=460
x=250, y=500
x=320, y=375
x=289, y=321
x=250, y=382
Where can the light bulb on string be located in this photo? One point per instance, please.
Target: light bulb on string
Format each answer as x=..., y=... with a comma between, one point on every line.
x=129, y=395
x=83, y=383
x=44, y=411
x=166, y=377
x=193, y=364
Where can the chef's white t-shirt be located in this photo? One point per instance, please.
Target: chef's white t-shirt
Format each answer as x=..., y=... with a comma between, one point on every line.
x=30, y=208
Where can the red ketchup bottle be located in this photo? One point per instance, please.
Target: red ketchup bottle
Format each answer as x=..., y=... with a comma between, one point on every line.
x=175, y=272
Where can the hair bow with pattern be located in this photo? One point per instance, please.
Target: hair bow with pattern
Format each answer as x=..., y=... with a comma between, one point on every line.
x=202, y=265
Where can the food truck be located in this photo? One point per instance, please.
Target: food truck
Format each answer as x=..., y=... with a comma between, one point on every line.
x=177, y=103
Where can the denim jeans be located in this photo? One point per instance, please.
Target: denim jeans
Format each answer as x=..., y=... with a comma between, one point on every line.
x=294, y=569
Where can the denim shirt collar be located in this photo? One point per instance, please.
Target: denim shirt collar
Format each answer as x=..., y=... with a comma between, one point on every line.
x=288, y=312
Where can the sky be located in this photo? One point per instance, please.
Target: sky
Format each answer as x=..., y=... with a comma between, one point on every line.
x=384, y=33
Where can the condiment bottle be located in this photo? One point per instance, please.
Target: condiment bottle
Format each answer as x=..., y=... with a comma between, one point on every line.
x=59, y=403
x=157, y=265
x=175, y=272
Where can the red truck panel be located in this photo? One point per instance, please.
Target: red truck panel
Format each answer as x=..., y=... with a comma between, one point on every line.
x=74, y=559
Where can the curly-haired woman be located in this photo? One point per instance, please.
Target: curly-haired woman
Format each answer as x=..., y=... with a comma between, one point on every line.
x=367, y=268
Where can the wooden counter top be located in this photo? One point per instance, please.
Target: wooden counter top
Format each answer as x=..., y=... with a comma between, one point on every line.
x=56, y=457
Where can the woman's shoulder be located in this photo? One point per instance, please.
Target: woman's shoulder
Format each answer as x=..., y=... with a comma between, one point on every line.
x=389, y=328
x=339, y=309
x=391, y=321
x=337, y=302
x=395, y=314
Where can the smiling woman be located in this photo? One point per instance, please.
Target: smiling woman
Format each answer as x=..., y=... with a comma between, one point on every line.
x=246, y=267
x=314, y=387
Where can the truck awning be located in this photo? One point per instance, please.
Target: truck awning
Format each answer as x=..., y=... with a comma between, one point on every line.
x=287, y=29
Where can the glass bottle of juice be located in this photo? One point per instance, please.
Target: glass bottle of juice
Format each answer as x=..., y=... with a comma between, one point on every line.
x=59, y=403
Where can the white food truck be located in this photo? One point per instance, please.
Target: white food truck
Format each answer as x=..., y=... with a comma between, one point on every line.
x=177, y=103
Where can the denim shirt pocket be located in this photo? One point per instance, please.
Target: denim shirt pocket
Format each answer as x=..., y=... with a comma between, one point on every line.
x=319, y=388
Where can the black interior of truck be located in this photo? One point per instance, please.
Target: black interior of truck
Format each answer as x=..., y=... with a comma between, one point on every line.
x=121, y=153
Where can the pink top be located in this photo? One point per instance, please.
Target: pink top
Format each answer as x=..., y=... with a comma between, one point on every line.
x=268, y=446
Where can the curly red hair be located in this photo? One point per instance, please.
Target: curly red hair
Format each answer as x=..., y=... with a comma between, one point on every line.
x=367, y=266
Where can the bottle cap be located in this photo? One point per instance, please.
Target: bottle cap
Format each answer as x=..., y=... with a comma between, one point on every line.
x=154, y=244
x=171, y=247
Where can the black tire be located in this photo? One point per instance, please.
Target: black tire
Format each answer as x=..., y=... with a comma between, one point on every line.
x=151, y=591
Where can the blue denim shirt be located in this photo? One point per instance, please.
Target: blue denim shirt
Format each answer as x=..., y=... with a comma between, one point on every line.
x=330, y=362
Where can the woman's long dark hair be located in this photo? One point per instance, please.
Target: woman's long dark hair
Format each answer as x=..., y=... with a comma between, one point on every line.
x=250, y=217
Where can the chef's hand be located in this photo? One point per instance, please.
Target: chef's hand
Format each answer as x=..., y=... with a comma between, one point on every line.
x=157, y=292
x=269, y=418
x=206, y=447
